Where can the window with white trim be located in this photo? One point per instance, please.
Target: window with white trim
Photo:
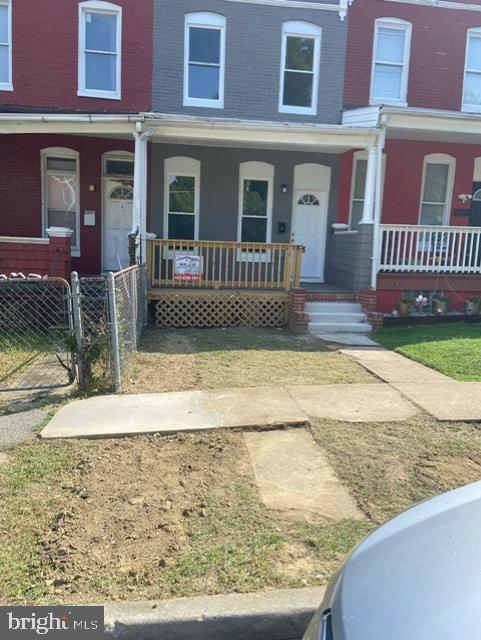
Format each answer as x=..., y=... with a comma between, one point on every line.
x=100, y=45
x=358, y=189
x=472, y=72
x=437, y=189
x=255, y=201
x=300, y=59
x=60, y=192
x=390, y=64
x=181, y=198
x=5, y=45
x=204, y=60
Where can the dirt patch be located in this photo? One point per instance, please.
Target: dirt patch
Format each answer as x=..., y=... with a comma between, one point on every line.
x=216, y=358
x=449, y=469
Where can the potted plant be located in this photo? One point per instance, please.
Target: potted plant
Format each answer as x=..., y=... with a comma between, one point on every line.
x=472, y=306
x=405, y=305
x=440, y=305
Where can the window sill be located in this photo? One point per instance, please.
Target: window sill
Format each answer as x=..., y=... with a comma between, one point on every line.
x=471, y=108
x=6, y=87
x=75, y=253
x=376, y=102
x=207, y=104
x=103, y=95
x=301, y=111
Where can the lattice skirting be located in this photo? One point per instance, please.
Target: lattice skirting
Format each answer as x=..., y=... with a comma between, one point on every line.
x=219, y=309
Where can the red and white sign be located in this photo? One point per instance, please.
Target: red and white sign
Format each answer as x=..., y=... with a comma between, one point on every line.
x=188, y=268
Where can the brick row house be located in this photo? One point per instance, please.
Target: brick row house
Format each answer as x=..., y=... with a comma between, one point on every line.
x=302, y=149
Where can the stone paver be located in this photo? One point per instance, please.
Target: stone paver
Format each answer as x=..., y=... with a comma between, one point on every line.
x=15, y=427
x=353, y=402
x=393, y=367
x=449, y=401
x=294, y=477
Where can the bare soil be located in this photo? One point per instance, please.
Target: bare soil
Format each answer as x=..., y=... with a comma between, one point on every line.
x=215, y=358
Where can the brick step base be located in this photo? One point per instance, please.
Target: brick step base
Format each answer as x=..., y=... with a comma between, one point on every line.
x=318, y=296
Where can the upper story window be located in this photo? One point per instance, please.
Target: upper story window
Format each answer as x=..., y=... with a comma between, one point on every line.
x=472, y=72
x=300, y=55
x=5, y=45
x=390, y=64
x=100, y=39
x=437, y=189
x=204, y=60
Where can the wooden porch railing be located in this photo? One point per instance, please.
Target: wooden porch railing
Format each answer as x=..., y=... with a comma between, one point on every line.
x=223, y=265
x=424, y=249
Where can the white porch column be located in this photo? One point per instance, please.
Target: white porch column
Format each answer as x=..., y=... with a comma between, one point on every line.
x=370, y=189
x=376, y=240
x=139, y=217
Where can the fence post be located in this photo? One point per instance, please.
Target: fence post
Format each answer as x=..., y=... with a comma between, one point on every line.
x=77, y=323
x=114, y=331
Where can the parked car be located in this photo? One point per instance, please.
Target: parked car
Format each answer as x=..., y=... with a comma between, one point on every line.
x=418, y=577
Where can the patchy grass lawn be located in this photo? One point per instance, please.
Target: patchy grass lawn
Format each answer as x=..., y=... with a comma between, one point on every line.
x=177, y=360
x=453, y=349
x=157, y=517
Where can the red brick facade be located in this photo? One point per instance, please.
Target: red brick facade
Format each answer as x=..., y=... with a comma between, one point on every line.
x=297, y=318
x=21, y=189
x=45, y=58
x=438, y=46
x=47, y=258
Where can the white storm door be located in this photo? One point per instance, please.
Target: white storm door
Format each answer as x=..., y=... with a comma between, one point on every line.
x=118, y=210
x=309, y=227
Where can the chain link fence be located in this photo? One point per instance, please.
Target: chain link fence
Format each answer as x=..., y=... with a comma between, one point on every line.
x=36, y=334
x=110, y=315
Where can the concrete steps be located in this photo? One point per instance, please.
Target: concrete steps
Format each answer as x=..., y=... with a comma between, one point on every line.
x=337, y=317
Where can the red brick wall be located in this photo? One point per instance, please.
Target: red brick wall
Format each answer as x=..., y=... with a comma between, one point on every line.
x=403, y=179
x=20, y=188
x=437, y=52
x=51, y=258
x=297, y=318
x=45, y=57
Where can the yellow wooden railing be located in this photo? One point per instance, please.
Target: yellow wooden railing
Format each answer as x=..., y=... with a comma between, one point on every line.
x=223, y=265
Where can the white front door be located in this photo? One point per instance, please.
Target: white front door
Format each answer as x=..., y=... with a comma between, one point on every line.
x=309, y=226
x=117, y=222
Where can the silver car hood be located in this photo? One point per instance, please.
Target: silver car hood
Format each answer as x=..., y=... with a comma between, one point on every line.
x=416, y=578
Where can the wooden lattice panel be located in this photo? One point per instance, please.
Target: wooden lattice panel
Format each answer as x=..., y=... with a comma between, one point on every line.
x=221, y=310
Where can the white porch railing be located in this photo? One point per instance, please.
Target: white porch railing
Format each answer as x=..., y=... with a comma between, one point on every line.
x=423, y=249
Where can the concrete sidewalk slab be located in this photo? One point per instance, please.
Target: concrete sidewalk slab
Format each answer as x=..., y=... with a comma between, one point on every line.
x=104, y=416
x=447, y=401
x=253, y=406
x=271, y=615
x=393, y=367
x=353, y=402
x=294, y=476
x=352, y=339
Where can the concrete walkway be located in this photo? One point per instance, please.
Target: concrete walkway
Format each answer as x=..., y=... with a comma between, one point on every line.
x=442, y=397
x=106, y=416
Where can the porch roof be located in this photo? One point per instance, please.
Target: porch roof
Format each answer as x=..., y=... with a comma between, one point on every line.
x=261, y=133
x=71, y=123
x=436, y=125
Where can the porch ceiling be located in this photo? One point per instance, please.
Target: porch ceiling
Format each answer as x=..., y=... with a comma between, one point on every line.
x=258, y=134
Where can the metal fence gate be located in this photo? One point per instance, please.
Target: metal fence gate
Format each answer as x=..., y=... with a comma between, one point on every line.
x=36, y=334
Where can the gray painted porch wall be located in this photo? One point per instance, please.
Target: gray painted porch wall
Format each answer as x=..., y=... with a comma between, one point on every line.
x=253, y=54
x=219, y=188
x=349, y=264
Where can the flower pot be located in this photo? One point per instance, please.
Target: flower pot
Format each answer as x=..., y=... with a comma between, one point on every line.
x=472, y=307
x=440, y=307
x=405, y=309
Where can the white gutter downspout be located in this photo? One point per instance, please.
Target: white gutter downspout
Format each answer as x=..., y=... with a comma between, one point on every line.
x=376, y=240
x=139, y=217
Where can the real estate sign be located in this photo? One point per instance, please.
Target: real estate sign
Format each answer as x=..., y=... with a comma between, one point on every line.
x=188, y=267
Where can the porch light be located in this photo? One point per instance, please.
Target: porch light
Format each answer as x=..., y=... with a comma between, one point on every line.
x=284, y=188
x=465, y=197
x=92, y=188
